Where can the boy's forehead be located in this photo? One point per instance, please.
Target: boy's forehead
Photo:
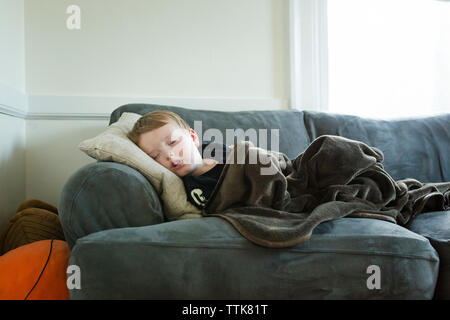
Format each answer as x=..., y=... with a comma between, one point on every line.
x=168, y=128
x=155, y=136
x=171, y=129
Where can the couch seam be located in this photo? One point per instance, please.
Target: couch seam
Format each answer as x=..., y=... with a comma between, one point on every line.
x=308, y=129
x=337, y=251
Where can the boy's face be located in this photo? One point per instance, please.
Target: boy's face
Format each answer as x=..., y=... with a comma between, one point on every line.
x=172, y=147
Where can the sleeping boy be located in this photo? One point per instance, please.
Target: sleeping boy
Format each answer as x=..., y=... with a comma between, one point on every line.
x=169, y=140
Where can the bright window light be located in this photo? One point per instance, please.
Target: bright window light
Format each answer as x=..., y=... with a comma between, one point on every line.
x=389, y=58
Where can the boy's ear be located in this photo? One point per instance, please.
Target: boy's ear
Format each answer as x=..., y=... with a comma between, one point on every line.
x=194, y=137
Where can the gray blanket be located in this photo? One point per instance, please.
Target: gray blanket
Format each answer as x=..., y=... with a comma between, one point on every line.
x=277, y=203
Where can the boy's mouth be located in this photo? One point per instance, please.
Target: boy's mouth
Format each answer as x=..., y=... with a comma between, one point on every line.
x=178, y=164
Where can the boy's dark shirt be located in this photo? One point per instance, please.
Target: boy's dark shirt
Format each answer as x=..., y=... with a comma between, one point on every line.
x=199, y=188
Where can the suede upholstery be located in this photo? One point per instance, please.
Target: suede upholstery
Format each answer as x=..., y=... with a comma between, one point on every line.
x=207, y=259
x=413, y=148
x=105, y=195
x=293, y=135
x=435, y=226
x=113, y=222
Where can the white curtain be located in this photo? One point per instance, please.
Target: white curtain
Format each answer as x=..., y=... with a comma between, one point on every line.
x=308, y=54
x=389, y=58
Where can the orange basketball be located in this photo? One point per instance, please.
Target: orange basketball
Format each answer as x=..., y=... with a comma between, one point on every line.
x=36, y=271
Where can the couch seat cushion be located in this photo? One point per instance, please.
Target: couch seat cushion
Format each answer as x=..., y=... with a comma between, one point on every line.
x=208, y=259
x=436, y=227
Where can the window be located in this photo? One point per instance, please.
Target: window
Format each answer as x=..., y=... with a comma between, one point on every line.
x=388, y=58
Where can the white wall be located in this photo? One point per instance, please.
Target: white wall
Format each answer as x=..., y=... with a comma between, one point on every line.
x=205, y=54
x=52, y=154
x=12, y=102
x=159, y=49
x=12, y=72
x=12, y=166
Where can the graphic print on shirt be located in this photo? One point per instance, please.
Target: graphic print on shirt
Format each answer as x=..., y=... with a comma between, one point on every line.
x=197, y=195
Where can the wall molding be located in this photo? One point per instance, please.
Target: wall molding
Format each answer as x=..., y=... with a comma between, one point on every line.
x=13, y=102
x=68, y=116
x=52, y=107
x=48, y=107
x=13, y=112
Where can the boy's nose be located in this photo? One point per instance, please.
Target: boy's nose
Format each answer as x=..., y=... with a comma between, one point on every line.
x=172, y=156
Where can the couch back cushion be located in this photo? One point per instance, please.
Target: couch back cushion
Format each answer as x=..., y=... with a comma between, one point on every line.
x=413, y=148
x=292, y=139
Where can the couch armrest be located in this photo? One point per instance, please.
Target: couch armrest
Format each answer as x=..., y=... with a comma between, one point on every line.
x=107, y=195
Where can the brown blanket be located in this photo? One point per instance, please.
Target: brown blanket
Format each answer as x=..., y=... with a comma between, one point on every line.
x=276, y=203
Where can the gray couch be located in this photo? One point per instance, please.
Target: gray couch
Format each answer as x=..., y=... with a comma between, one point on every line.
x=125, y=249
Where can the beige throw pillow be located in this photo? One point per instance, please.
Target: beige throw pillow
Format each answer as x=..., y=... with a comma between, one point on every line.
x=114, y=145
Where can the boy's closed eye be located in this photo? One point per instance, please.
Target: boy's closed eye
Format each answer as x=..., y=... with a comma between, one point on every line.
x=154, y=157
